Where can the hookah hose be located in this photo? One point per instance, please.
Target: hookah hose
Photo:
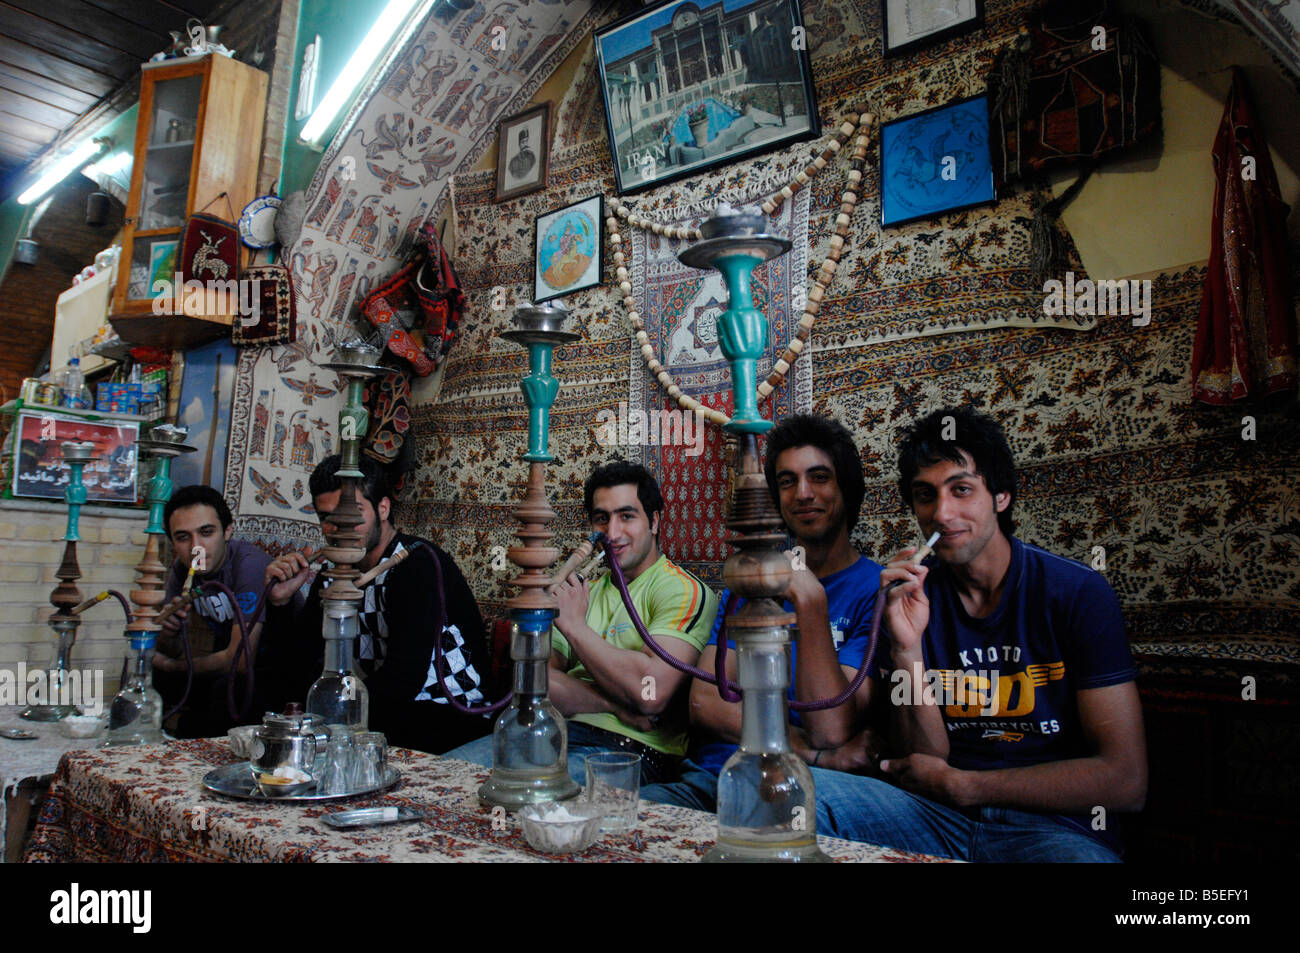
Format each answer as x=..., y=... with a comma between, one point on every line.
x=728, y=689
x=245, y=627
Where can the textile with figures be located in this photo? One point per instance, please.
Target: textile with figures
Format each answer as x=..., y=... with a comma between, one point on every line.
x=1198, y=528
x=432, y=111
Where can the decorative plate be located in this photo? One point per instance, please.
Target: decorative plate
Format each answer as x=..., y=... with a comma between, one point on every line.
x=257, y=222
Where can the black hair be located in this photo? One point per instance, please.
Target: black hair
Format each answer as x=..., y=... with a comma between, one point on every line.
x=374, y=483
x=978, y=435
x=833, y=439
x=618, y=473
x=196, y=494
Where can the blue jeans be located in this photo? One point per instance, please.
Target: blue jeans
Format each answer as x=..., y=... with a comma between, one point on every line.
x=583, y=740
x=865, y=809
x=695, y=788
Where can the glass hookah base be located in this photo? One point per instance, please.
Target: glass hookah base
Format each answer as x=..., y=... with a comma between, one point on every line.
x=515, y=789
x=781, y=849
x=131, y=735
x=49, y=712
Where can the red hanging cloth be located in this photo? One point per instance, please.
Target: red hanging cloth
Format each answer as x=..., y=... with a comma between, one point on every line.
x=1246, y=336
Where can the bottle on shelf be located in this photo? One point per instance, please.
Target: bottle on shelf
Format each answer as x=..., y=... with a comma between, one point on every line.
x=76, y=394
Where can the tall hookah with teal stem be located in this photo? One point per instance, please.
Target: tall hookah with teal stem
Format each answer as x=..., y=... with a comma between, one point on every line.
x=529, y=739
x=135, y=715
x=66, y=597
x=766, y=805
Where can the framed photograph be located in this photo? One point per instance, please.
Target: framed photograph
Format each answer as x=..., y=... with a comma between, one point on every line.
x=523, y=152
x=568, y=254
x=691, y=86
x=162, y=265
x=38, y=466
x=910, y=25
x=936, y=161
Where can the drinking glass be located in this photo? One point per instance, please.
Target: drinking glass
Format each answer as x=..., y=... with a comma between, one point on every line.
x=614, y=786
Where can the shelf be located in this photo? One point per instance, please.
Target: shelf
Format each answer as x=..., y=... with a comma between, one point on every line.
x=18, y=404
x=175, y=331
x=161, y=147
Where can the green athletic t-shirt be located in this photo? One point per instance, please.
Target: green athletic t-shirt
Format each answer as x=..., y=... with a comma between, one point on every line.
x=671, y=603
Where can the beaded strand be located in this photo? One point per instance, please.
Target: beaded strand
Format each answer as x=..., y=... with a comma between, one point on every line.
x=853, y=123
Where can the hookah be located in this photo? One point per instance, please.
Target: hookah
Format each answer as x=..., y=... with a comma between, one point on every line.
x=135, y=716
x=339, y=696
x=66, y=597
x=766, y=804
x=529, y=739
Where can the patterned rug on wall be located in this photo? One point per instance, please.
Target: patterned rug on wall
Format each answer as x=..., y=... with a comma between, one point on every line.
x=432, y=111
x=1200, y=528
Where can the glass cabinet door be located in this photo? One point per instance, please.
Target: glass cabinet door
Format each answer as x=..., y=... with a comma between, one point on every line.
x=165, y=188
x=170, y=153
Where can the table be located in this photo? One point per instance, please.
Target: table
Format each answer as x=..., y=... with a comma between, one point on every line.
x=24, y=764
x=148, y=804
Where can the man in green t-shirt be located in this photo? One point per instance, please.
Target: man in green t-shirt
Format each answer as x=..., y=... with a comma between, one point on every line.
x=615, y=693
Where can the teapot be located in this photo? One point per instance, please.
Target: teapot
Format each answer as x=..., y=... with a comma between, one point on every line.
x=284, y=741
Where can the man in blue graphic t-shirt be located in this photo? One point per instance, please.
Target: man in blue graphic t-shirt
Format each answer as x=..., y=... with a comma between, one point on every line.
x=1015, y=718
x=815, y=476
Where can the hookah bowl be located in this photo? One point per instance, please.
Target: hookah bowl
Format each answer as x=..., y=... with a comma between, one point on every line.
x=66, y=595
x=766, y=804
x=135, y=714
x=339, y=696
x=529, y=739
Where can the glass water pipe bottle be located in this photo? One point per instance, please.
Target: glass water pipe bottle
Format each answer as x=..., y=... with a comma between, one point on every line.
x=530, y=739
x=135, y=715
x=66, y=595
x=766, y=805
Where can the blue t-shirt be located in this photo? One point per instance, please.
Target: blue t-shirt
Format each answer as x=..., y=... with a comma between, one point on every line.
x=850, y=600
x=1006, y=684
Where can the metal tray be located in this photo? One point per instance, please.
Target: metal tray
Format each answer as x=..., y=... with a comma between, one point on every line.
x=372, y=817
x=236, y=780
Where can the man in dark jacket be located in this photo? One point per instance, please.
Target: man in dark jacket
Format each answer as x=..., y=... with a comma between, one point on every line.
x=395, y=650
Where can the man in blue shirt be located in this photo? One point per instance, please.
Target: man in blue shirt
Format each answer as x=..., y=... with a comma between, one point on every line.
x=1013, y=706
x=815, y=476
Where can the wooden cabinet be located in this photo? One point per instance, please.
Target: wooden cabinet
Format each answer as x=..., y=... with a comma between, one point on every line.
x=199, y=134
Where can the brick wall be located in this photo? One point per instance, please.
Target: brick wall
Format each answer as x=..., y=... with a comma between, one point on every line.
x=31, y=538
x=29, y=292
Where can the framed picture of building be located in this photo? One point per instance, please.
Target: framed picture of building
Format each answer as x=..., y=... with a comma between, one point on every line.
x=910, y=25
x=523, y=152
x=568, y=253
x=936, y=161
x=689, y=86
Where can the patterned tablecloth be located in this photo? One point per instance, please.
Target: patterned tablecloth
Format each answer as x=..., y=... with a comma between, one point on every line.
x=148, y=804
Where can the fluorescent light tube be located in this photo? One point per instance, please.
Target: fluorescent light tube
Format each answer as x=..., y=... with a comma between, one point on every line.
x=371, y=48
x=61, y=170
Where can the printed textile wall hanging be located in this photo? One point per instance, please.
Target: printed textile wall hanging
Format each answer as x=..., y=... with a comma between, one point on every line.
x=431, y=109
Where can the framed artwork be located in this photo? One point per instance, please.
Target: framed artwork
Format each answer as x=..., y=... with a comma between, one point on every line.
x=910, y=25
x=936, y=161
x=689, y=87
x=207, y=394
x=38, y=466
x=569, y=250
x=162, y=265
x=523, y=152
